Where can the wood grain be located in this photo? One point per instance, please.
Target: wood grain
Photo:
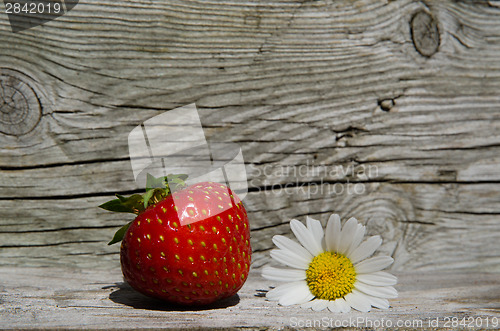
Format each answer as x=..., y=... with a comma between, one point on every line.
x=58, y=298
x=338, y=85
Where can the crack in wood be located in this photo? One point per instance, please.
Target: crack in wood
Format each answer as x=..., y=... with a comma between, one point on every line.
x=266, y=227
x=52, y=244
x=62, y=164
x=73, y=196
x=256, y=189
x=61, y=229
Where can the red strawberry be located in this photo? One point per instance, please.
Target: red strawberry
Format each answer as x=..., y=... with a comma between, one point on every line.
x=188, y=247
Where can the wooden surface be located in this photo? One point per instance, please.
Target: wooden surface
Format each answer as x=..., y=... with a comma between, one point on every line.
x=58, y=298
x=393, y=106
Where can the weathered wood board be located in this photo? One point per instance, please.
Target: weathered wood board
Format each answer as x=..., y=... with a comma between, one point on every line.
x=388, y=111
x=422, y=230
x=397, y=97
x=62, y=298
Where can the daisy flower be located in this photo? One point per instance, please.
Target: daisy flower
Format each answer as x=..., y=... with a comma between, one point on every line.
x=330, y=268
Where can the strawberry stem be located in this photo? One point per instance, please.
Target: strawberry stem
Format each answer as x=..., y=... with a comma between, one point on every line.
x=157, y=189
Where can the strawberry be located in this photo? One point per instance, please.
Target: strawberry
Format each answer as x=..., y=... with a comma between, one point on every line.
x=190, y=247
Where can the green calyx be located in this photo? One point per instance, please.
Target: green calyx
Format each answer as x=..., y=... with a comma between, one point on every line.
x=157, y=189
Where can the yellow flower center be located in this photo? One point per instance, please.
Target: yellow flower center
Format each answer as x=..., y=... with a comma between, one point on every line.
x=330, y=276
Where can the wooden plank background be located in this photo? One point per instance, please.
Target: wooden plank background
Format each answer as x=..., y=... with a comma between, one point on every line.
x=402, y=98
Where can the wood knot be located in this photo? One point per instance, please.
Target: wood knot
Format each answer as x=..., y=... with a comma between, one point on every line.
x=425, y=33
x=387, y=211
x=20, y=109
x=386, y=104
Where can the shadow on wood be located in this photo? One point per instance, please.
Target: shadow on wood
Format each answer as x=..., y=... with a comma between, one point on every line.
x=260, y=293
x=126, y=295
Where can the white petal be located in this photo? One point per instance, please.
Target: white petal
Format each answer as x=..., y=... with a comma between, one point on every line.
x=358, y=237
x=342, y=305
x=366, y=249
x=379, y=278
x=290, y=259
x=305, y=237
x=296, y=295
x=373, y=264
x=286, y=258
x=385, y=292
x=283, y=275
x=358, y=301
x=333, y=306
x=378, y=302
x=347, y=234
x=319, y=304
x=279, y=291
x=332, y=236
x=316, y=228
x=292, y=246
